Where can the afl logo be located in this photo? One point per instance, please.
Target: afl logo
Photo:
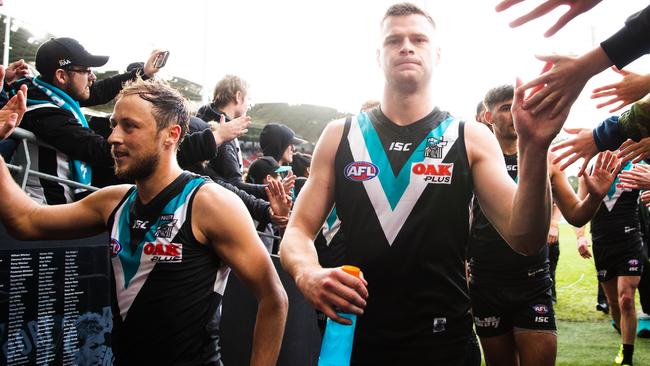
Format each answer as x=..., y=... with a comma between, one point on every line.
x=540, y=309
x=116, y=247
x=358, y=171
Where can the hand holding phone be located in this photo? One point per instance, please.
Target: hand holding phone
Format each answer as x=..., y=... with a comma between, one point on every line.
x=161, y=59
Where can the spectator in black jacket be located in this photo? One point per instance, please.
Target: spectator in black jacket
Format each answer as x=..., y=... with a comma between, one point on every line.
x=66, y=83
x=229, y=103
x=300, y=166
x=278, y=140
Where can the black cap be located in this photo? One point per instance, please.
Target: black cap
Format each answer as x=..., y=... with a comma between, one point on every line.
x=275, y=138
x=57, y=53
x=262, y=167
x=135, y=66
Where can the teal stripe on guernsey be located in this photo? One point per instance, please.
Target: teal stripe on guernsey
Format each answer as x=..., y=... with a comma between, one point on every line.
x=129, y=259
x=393, y=186
x=331, y=218
x=612, y=189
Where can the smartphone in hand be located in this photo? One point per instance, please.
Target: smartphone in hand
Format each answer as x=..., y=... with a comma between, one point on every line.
x=161, y=59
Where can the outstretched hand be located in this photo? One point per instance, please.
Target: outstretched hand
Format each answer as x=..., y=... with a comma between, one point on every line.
x=630, y=89
x=635, y=151
x=289, y=182
x=280, y=202
x=537, y=128
x=645, y=197
x=636, y=178
x=581, y=146
x=149, y=67
x=558, y=87
x=576, y=7
x=603, y=174
x=226, y=131
x=12, y=112
x=16, y=70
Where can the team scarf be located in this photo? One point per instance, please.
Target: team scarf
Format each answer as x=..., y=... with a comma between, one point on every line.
x=81, y=172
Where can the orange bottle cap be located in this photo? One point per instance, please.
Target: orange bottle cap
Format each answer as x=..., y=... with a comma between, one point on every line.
x=355, y=271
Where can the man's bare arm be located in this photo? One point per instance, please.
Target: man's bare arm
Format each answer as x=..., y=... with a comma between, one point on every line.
x=326, y=289
x=497, y=194
x=521, y=216
x=578, y=211
x=221, y=220
x=27, y=220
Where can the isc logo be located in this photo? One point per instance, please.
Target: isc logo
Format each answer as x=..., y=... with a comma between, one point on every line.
x=541, y=319
x=358, y=171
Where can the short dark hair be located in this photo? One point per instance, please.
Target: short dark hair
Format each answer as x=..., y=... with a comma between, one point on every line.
x=226, y=90
x=168, y=106
x=403, y=9
x=300, y=163
x=497, y=95
x=480, y=107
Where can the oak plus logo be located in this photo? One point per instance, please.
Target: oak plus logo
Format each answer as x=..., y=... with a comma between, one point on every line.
x=434, y=173
x=359, y=171
x=164, y=252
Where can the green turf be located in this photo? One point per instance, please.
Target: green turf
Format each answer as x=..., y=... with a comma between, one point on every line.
x=585, y=336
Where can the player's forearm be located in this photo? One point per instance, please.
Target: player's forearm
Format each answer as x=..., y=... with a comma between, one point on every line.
x=531, y=208
x=16, y=206
x=269, y=327
x=580, y=232
x=583, y=211
x=298, y=252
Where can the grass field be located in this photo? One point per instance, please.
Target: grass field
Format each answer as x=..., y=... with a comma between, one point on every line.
x=585, y=336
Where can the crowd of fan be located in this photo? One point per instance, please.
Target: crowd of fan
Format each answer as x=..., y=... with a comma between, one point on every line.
x=66, y=82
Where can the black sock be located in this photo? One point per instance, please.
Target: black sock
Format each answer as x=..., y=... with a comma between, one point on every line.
x=628, y=351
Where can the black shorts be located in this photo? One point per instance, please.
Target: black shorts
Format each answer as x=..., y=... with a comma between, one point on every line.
x=618, y=260
x=498, y=309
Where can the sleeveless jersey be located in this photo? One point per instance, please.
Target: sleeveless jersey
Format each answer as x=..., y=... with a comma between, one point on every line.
x=490, y=257
x=402, y=195
x=617, y=219
x=168, y=286
x=330, y=243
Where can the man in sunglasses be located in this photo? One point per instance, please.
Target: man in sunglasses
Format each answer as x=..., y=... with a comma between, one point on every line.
x=65, y=84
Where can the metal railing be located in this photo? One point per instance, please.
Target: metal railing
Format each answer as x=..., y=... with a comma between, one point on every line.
x=23, y=171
